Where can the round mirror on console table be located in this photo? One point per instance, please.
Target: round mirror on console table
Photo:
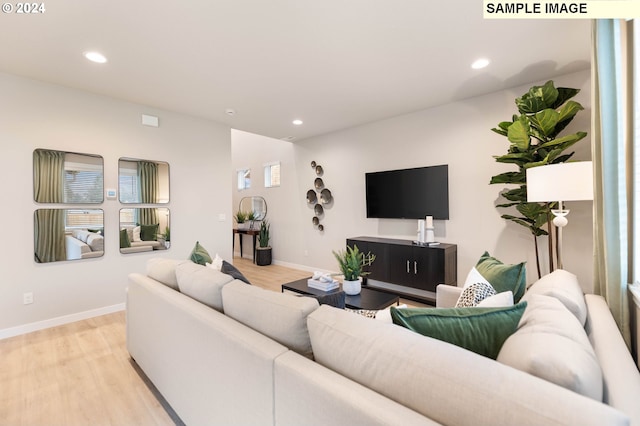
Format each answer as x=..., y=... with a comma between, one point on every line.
x=257, y=205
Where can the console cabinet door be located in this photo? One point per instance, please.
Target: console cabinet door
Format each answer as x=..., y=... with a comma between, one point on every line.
x=417, y=267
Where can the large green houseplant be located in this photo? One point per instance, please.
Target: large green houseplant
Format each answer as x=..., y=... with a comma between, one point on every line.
x=534, y=140
x=351, y=262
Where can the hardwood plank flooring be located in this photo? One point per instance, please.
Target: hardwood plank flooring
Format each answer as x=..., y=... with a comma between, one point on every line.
x=81, y=373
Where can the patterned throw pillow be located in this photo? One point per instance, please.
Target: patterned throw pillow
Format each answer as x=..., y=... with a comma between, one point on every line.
x=367, y=313
x=474, y=294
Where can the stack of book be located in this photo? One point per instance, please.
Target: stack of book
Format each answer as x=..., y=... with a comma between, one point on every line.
x=323, y=285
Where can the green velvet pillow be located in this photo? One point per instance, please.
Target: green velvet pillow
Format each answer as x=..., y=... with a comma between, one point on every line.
x=124, y=239
x=200, y=255
x=481, y=330
x=503, y=277
x=149, y=232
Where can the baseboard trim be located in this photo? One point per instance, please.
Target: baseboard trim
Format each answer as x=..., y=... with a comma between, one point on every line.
x=54, y=322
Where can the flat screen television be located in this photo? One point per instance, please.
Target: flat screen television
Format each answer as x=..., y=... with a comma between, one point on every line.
x=408, y=193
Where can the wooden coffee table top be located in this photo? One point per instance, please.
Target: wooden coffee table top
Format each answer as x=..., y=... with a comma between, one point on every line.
x=367, y=299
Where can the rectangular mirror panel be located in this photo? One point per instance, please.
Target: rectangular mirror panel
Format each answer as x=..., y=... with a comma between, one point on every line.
x=62, y=177
x=68, y=234
x=143, y=181
x=144, y=229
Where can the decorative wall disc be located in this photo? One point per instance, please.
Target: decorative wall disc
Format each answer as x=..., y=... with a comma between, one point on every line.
x=315, y=221
x=318, y=183
x=325, y=196
x=318, y=209
x=319, y=170
x=312, y=198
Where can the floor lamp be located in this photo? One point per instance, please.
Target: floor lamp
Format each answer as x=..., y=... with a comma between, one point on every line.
x=560, y=182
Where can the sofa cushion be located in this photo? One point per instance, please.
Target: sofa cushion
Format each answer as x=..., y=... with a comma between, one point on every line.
x=200, y=255
x=503, y=277
x=164, y=270
x=201, y=283
x=95, y=241
x=503, y=299
x=443, y=382
x=551, y=344
x=563, y=286
x=481, y=330
x=281, y=316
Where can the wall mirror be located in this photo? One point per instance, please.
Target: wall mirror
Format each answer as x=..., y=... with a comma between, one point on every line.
x=144, y=229
x=257, y=205
x=68, y=234
x=67, y=178
x=143, y=181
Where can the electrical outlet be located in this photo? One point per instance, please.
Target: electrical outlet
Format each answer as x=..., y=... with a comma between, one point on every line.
x=27, y=298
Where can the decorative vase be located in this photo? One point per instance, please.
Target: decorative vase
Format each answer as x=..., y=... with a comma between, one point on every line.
x=351, y=288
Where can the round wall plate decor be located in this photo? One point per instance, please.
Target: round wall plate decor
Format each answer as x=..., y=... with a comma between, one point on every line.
x=318, y=209
x=312, y=198
x=318, y=183
x=319, y=170
x=325, y=196
x=315, y=221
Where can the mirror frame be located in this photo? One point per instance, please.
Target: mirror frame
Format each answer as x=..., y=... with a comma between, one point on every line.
x=252, y=198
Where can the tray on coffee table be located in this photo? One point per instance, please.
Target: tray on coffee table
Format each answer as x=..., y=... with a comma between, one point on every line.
x=367, y=299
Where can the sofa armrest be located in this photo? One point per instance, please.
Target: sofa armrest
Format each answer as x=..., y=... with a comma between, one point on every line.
x=447, y=295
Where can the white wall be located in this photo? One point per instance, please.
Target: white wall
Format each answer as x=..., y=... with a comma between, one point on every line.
x=458, y=134
x=39, y=115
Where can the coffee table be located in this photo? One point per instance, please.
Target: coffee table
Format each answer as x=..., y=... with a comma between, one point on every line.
x=367, y=299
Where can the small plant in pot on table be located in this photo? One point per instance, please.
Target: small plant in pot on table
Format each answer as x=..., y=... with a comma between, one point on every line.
x=351, y=263
x=263, y=252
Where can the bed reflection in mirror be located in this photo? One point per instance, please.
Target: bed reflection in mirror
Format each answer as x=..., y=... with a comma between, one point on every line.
x=144, y=229
x=143, y=181
x=67, y=178
x=68, y=234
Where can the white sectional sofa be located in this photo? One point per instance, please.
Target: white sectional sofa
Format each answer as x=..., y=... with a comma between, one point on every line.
x=225, y=353
x=83, y=244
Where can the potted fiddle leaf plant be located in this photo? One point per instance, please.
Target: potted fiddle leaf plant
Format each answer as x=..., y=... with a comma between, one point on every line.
x=534, y=139
x=351, y=262
x=264, y=251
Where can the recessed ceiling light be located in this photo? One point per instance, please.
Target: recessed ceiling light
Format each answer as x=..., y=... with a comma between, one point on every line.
x=480, y=63
x=96, y=57
x=297, y=122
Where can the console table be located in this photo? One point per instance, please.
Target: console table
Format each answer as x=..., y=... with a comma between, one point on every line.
x=253, y=232
x=410, y=270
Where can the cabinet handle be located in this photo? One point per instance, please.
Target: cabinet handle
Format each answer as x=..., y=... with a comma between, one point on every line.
x=415, y=267
x=408, y=270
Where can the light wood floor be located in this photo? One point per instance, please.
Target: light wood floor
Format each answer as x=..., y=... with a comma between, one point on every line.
x=81, y=373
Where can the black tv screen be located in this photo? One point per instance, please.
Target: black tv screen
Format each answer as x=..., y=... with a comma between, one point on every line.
x=408, y=193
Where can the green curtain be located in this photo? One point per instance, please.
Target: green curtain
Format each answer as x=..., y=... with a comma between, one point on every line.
x=612, y=116
x=149, y=184
x=48, y=187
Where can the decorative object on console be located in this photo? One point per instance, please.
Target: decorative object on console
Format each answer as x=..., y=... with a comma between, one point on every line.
x=351, y=261
x=560, y=182
x=533, y=141
x=264, y=251
x=429, y=236
x=322, y=281
x=240, y=218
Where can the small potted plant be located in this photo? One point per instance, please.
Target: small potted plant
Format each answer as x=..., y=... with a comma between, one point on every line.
x=241, y=218
x=263, y=251
x=351, y=262
x=251, y=217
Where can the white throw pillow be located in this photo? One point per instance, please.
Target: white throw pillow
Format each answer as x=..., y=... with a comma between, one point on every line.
x=474, y=277
x=136, y=233
x=384, y=315
x=499, y=300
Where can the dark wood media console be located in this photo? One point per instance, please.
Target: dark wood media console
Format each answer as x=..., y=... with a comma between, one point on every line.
x=407, y=269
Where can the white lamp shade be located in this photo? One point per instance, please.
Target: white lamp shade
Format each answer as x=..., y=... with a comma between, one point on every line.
x=560, y=182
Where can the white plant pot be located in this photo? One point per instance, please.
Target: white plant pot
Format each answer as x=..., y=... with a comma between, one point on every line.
x=351, y=288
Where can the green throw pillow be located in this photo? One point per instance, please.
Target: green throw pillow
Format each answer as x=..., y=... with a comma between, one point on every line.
x=149, y=232
x=200, y=255
x=503, y=277
x=481, y=330
x=124, y=239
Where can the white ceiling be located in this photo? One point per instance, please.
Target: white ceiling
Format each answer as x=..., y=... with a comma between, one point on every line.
x=332, y=63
